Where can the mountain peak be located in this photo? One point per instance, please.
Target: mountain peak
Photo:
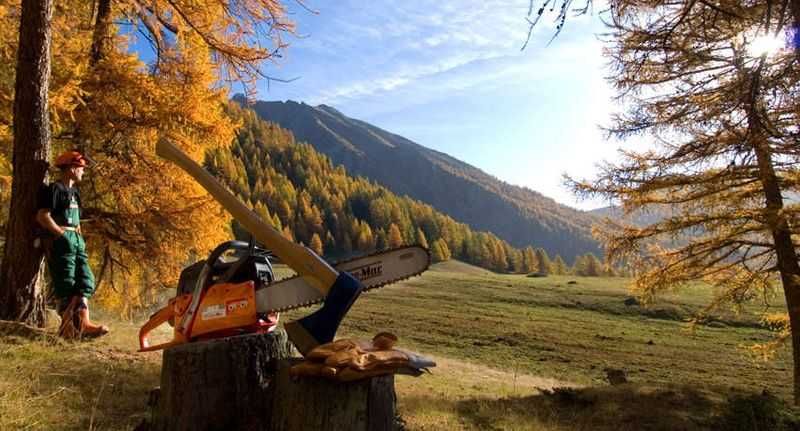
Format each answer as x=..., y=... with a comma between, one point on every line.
x=329, y=109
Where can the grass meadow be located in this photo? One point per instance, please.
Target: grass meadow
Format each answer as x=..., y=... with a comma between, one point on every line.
x=513, y=352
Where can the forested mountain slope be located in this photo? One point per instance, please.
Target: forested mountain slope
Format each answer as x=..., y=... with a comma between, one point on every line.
x=519, y=215
x=301, y=192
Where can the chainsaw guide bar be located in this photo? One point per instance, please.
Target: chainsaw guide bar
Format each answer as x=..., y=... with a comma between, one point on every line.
x=374, y=271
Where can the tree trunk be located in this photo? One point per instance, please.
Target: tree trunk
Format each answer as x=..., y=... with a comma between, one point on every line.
x=788, y=266
x=777, y=223
x=795, y=8
x=219, y=384
x=310, y=403
x=101, y=36
x=242, y=383
x=21, y=293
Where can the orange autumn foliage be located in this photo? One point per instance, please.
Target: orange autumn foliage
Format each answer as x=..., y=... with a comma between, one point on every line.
x=143, y=218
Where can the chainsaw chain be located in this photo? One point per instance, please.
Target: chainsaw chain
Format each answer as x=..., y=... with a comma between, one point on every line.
x=366, y=289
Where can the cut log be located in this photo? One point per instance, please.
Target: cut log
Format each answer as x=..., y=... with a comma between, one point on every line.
x=242, y=383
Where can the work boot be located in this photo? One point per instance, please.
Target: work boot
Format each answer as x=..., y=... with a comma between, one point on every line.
x=69, y=321
x=87, y=328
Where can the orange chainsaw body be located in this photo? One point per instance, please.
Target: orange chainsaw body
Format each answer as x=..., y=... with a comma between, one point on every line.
x=225, y=309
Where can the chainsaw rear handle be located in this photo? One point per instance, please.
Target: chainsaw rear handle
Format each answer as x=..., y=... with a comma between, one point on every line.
x=162, y=316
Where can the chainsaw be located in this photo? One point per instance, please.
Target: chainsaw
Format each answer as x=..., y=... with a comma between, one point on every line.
x=234, y=292
x=238, y=295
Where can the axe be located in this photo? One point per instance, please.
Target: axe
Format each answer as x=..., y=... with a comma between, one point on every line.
x=339, y=288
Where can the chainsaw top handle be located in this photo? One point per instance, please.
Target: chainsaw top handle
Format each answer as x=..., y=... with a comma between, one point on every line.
x=215, y=265
x=251, y=247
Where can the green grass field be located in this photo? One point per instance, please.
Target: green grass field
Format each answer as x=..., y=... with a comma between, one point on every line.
x=570, y=332
x=501, y=342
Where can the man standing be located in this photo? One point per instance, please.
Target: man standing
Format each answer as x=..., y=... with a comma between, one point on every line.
x=73, y=281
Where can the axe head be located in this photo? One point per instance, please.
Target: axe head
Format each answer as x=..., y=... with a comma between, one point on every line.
x=320, y=326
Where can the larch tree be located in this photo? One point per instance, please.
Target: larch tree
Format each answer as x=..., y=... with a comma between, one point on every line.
x=197, y=46
x=364, y=238
x=287, y=233
x=316, y=244
x=21, y=293
x=395, y=238
x=381, y=240
x=514, y=259
x=439, y=251
x=446, y=253
x=590, y=266
x=436, y=252
x=421, y=239
x=543, y=260
x=529, y=262
x=143, y=214
x=559, y=266
x=722, y=117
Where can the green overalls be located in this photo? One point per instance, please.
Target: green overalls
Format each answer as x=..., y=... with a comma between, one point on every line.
x=67, y=259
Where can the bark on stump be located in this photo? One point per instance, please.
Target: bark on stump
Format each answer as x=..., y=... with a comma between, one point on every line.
x=315, y=403
x=242, y=383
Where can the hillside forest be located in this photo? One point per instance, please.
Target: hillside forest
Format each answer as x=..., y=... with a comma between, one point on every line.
x=518, y=215
x=313, y=202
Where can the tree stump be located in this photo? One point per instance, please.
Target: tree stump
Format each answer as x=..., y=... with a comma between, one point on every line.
x=242, y=383
x=316, y=403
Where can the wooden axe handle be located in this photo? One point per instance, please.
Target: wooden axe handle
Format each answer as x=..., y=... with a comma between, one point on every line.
x=313, y=268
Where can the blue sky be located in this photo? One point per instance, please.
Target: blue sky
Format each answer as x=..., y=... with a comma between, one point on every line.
x=451, y=76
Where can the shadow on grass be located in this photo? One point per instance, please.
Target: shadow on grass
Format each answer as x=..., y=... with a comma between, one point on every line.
x=116, y=386
x=72, y=386
x=629, y=407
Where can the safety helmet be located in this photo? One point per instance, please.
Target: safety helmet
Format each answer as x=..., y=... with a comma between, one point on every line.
x=72, y=158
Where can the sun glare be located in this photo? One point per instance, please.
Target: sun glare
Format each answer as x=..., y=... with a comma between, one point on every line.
x=766, y=44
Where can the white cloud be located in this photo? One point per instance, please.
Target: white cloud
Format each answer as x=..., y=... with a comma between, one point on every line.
x=435, y=40
x=389, y=45
x=392, y=80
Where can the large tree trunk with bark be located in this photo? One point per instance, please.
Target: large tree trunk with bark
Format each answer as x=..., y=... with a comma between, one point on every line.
x=102, y=39
x=243, y=383
x=795, y=8
x=101, y=36
x=776, y=222
x=790, y=277
x=786, y=255
x=21, y=293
